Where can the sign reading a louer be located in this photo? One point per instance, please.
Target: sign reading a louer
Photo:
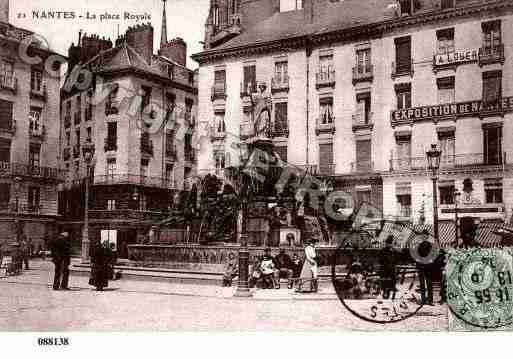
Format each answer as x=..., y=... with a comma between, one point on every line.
x=469, y=108
x=456, y=57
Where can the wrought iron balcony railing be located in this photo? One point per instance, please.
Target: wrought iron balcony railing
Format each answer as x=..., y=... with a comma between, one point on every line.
x=363, y=166
x=246, y=89
x=325, y=124
x=326, y=169
x=491, y=55
x=31, y=171
x=363, y=73
x=190, y=154
x=41, y=93
x=280, y=83
x=218, y=92
x=362, y=120
x=111, y=144
x=147, y=181
x=451, y=161
x=325, y=78
x=403, y=69
x=37, y=131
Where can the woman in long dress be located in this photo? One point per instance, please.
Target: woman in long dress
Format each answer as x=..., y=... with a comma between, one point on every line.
x=308, y=277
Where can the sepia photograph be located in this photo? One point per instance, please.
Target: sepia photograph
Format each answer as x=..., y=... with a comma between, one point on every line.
x=256, y=166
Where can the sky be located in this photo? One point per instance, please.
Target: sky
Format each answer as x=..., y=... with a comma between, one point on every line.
x=185, y=18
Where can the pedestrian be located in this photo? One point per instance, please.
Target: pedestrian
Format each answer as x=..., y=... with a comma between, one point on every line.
x=230, y=270
x=268, y=269
x=284, y=267
x=426, y=271
x=61, y=251
x=387, y=260
x=308, y=276
x=25, y=251
x=101, y=259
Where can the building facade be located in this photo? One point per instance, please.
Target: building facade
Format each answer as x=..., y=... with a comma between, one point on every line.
x=360, y=91
x=138, y=110
x=29, y=134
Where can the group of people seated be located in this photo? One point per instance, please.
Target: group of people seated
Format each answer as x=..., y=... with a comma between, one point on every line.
x=266, y=271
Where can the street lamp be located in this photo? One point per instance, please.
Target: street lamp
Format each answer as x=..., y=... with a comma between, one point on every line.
x=17, y=224
x=433, y=156
x=88, y=153
x=243, y=282
x=457, y=194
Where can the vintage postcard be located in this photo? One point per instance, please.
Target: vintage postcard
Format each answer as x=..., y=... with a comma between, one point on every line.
x=242, y=165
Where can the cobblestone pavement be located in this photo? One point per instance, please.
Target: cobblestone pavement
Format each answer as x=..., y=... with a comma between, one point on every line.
x=28, y=303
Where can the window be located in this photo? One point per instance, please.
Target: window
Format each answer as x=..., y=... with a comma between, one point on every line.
x=220, y=160
x=290, y=5
x=326, y=64
x=34, y=156
x=363, y=61
x=170, y=143
x=6, y=115
x=492, y=136
x=447, y=143
x=281, y=72
x=112, y=135
x=447, y=4
x=7, y=74
x=446, y=190
x=216, y=16
x=143, y=202
x=146, y=97
x=363, y=155
x=326, y=158
x=250, y=79
x=79, y=103
x=326, y=111
x=5, y=195
x=170, y=102
x=445, y=39
x=34, y=196
x=77, y=168
x=77, y=136
x=111, y=205
x=68, y=108
x=111, y=167
x=35, y=125
x=363, y=107
x=404, y=205
x=220, y=126
x=89, y=131
x=403, y=55
x=493, y=190
x=362, y=196
x=169, y=173
x=144, y=167
x=446, y=93
x=492, y=86
x=406, y=8
x=68, y=139
x=403, y=150
x=220, y=78
x=111, y=104
x=403, y=95
x=491, y=34
x=188, y=109
x=5, y=150
x=281, y=126
x=36, y=78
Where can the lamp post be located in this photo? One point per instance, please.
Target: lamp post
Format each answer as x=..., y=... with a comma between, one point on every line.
x=243, y=282
x=17, y=224
x=88, y=153
x=457, y=194
x=433, y=156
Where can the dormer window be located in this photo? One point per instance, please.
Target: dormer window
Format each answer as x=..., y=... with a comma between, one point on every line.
x=447, y=4
x=406, y=7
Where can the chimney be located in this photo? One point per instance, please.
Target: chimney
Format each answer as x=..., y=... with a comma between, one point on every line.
x=140, y=38
x=92, y=45
x=4, y=11
x=175, y=50
x=309, y=10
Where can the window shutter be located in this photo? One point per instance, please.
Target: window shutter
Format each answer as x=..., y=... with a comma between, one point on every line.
x=5, y=114
x=325, y=154
x=363, y=154
x=250, y=77
x=403, y=53
x=281, y=123
x=220, y=77
x=5, y=150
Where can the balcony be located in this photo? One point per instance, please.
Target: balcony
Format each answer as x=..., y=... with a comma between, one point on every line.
x=399, y=70
x=363, y=74
x=9, y=83
x=116, y=179
x=171, y=151
x=190, y=155
x=66, y=154
x=77, y=118
x=147, y=146
x=76, y=151
x=39, y=94
x=218, y=92
x=67, y=121
x=491, y=55
x=325, y=79
x=362, y=121
x=458, y=161
x=280, y=84
x=327, y=169
x=325, y=125
x=365, y=166
x=8, y=128
x=217, y=134
x=37, y=132
x=111, y=144
x=31, y=171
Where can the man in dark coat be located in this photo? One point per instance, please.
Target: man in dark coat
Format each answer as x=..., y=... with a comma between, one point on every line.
x=387, y=260
x=284, y=267
x=61, y=252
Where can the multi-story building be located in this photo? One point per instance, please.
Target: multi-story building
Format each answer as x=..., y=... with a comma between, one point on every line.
x=138, y=110
x=29, y=133
x=362, y=88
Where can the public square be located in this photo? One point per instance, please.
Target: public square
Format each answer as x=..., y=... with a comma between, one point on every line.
x=27, y=303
